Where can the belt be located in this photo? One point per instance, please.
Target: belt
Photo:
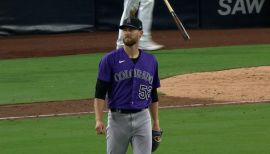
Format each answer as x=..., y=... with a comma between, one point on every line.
x=126, y=111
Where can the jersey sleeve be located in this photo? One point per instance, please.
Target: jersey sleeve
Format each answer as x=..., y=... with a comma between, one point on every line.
x=104, y=71
x=156, y=81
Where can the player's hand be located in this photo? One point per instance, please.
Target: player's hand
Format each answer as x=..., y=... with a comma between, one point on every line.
x=100, y=127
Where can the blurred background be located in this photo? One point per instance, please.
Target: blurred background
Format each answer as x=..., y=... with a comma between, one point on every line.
x=19, y=17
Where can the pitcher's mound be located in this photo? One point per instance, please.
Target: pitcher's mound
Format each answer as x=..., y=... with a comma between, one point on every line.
x=236, y=85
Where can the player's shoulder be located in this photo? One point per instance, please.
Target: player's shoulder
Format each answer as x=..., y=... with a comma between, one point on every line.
x=148, y=55
x=112, y=53
x=112, y=56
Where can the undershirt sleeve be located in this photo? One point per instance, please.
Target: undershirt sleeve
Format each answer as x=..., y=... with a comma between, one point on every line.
x=101, y=89
x=154, y=95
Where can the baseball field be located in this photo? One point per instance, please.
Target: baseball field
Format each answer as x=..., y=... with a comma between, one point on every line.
x=46, y=103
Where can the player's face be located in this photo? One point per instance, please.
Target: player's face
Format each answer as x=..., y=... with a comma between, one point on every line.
x=131, y=36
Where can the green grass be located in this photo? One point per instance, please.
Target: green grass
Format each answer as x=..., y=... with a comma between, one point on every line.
x=45, y=79
x=233, y=129
x=184, y=61
x=73, y=77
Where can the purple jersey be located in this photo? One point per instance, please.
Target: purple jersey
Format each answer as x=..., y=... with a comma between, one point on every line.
x=131, y=84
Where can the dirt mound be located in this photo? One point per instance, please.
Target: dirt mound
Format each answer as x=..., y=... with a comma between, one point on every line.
x=236, y=85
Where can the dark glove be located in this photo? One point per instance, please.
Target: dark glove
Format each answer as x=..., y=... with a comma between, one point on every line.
x=156, y=139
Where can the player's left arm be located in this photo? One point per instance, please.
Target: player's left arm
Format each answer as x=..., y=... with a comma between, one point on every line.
x=154, y=108
x=156, y=130
x=155, y=104
x=154, y=114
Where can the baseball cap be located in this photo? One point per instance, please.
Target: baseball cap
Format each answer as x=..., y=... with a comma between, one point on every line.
x=131, y=22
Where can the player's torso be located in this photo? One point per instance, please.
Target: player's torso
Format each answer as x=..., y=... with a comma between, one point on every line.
x=132, y=82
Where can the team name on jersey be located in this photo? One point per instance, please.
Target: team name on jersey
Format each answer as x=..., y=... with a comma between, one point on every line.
x=137, y=73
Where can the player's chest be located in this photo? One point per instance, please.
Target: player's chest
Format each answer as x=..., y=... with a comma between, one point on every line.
x=127, y=70
x=128, y=66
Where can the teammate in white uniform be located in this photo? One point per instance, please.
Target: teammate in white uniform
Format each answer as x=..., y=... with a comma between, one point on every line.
x=145, y=14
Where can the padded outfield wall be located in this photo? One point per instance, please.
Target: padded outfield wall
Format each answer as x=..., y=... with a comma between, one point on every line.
x=60, y=16
x=234, y=13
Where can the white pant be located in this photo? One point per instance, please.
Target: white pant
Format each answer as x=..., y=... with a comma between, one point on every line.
x=145, y=14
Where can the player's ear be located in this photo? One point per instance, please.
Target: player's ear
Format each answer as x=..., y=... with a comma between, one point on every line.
x=141, y=33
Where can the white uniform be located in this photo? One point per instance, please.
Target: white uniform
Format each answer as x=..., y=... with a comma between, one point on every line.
x=145, y=14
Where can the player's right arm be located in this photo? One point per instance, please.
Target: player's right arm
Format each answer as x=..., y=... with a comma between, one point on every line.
x=99, y=103
x=102, y=87
x=99, y=107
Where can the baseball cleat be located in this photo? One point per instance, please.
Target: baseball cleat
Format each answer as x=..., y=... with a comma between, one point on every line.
x=150, y=45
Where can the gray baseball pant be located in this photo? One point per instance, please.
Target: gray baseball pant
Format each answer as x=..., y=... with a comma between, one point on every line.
x=134, y=128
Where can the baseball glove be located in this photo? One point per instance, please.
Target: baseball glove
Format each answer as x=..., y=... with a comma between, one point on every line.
x=156, y=139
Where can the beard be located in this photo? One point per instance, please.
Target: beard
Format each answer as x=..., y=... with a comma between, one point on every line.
x=129, y=41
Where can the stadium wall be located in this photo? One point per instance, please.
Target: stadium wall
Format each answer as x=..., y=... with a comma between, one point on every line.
x=59, y=16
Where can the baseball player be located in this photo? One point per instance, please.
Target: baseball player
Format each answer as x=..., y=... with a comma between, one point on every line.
x=128, y=81
x=145, y=14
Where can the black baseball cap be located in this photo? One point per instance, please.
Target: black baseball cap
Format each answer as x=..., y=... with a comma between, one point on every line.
x=131, y=22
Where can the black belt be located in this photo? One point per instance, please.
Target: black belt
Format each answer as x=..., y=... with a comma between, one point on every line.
x=126, y=111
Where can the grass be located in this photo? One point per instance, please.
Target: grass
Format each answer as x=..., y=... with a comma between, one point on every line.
x=45, y=79
x=184, y=61
x=234, y=129
x=74, y=77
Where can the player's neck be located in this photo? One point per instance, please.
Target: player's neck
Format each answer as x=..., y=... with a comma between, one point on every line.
x=133, y=51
